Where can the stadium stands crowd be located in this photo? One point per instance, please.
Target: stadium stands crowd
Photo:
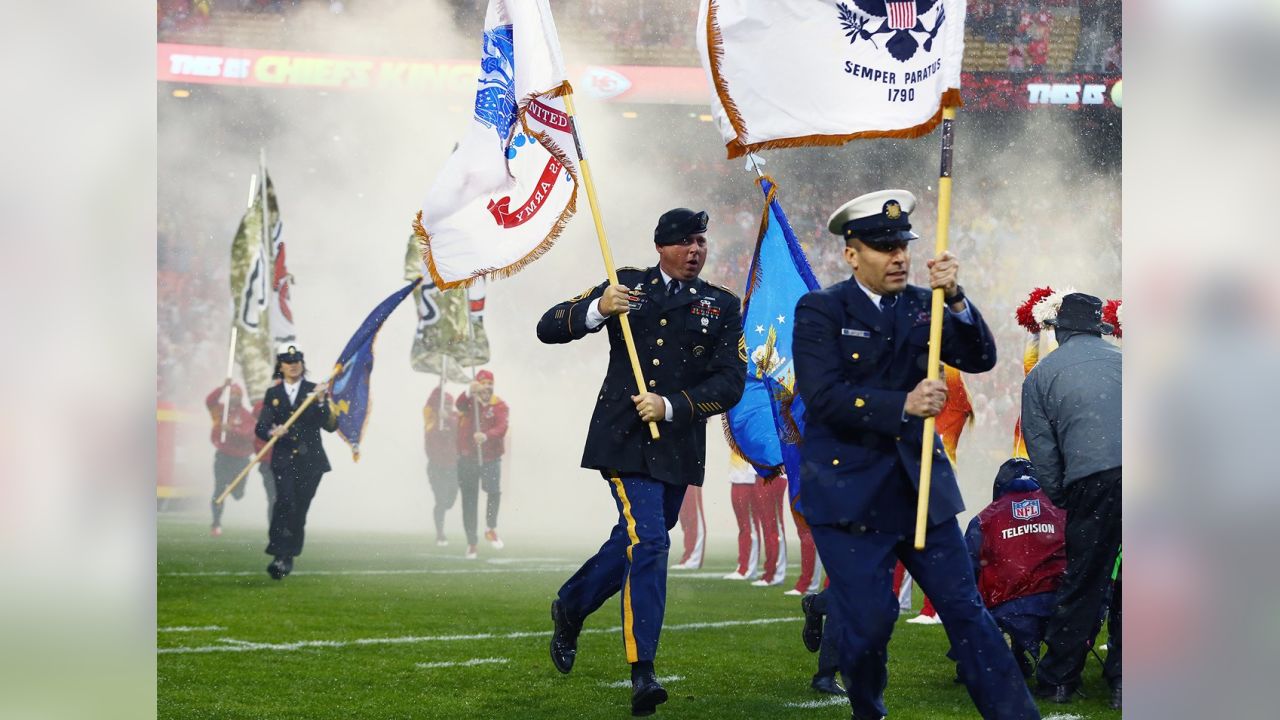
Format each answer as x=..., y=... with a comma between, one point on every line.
x=1001, y=35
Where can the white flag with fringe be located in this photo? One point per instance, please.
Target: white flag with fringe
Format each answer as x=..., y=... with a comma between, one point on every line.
x=787, y=73
x=507, y=191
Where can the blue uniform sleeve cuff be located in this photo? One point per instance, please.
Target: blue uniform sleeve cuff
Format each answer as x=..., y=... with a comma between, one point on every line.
x=965, y=316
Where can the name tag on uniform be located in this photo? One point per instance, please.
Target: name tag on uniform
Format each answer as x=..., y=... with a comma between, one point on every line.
x=850, y=332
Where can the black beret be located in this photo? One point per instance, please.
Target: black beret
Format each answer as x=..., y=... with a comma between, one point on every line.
x=675, y=225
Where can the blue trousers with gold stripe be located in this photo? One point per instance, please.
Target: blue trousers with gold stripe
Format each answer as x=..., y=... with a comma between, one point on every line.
x=860, y=565
x=632, y=561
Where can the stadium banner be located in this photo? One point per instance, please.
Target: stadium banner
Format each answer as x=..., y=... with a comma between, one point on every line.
x=856, y=69
x=245, y=67
x=638, y=84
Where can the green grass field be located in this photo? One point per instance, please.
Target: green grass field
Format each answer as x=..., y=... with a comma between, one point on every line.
x=377, y=626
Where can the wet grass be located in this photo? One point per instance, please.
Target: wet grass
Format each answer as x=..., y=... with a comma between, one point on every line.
x=368, y=611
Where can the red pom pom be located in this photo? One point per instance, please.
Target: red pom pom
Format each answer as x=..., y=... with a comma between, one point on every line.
x=1111, y=316
x=1025, y=318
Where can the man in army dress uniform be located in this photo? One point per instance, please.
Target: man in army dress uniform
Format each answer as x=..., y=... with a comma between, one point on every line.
x=861, y=349
x=688, y=335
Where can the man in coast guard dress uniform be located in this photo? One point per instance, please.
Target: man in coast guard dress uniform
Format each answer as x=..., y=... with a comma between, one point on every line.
x=688, y=335
x=861, y=349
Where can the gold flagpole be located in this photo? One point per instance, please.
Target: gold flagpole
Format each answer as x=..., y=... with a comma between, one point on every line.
x=270, y=443
x=606, y=252
x=935, y=323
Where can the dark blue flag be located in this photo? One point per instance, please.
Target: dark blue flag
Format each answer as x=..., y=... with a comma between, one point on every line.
x=350, y=383
x=779, y=276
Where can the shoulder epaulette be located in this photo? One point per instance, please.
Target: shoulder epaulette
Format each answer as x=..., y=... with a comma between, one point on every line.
x=582, y=296
x=725, y=289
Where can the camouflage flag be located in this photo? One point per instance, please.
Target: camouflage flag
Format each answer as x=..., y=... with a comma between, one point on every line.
x=443, y=318
x=251, y=290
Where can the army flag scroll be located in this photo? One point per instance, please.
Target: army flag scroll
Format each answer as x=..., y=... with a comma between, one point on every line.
x=510, y=187
x=788, y=73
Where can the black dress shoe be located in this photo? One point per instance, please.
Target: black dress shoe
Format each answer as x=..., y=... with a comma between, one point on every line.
x=564, y=638
x=1060, y=694
x=827, y=684
x=276, y=569
x=812, y=632
x=287, y=565
x=646, y=695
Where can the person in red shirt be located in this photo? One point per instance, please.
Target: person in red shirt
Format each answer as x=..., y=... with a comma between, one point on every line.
x=440, y=429
x=1018, y=548
x=693, y=525
x=264, y=463
x=480, y=450
x=232, y=448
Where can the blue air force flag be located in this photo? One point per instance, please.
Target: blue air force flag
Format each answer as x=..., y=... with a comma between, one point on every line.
x=788, y=407
x=349, y=393
x=779, y=276
x=853, y=69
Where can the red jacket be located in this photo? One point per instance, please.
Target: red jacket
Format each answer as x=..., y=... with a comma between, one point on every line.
x=240, y=422
x=493, y=423
x=440, y=435
x=258, y=442
x=1022, y=546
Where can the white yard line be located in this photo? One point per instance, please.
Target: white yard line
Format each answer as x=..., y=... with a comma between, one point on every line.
x=233, y=645
x=518, y=560
x=498, y=566
x=668, y=679
x=185, y=629
x=1063, y=716
x=458, y=571
x=462, y=663
x=825, y=702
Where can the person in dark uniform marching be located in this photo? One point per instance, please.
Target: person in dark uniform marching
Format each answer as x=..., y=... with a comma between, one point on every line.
x=861, y=349
x=297, y=460
x=688, y=335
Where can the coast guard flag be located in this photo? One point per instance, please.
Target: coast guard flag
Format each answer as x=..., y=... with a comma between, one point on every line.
x=822, y=72
x=779, y=276
x=509, y=188
x=349, y=394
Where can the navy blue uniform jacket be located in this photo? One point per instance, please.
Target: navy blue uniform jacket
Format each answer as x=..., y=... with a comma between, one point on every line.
x=853, y=371
x=300, y=449
x=692, y=353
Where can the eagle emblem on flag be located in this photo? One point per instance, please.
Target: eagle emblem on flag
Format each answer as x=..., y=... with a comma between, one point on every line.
x=496, y=96
x=901, y=20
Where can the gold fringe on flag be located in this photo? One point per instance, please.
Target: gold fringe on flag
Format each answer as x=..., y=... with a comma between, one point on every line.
x=424, y=238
